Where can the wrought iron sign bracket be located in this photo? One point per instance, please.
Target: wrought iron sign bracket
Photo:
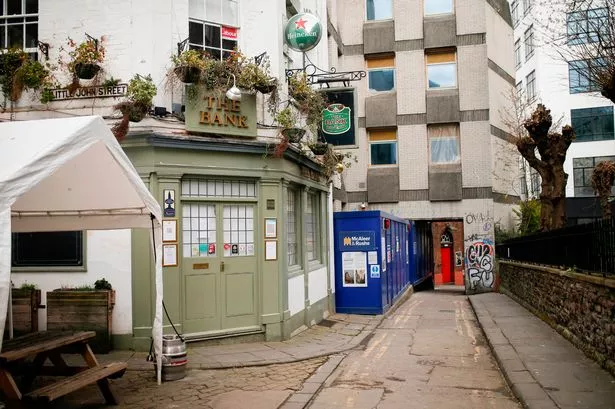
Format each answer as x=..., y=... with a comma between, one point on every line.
x=318, y=76
x=181, y=46
x=93, y=39
x=44, y=47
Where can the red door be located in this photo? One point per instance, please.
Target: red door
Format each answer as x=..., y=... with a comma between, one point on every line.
x=447, y=270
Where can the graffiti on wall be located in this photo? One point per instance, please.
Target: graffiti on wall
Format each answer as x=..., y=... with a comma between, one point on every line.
x=479, y=264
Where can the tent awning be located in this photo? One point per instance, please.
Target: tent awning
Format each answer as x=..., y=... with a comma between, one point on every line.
x=71, y=174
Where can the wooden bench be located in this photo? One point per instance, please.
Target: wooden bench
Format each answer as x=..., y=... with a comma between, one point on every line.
x=65, y=386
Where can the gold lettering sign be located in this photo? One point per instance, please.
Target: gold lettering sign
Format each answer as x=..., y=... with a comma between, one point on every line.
x=212, y=112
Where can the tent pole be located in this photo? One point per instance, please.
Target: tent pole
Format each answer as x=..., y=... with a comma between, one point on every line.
x=10, y=310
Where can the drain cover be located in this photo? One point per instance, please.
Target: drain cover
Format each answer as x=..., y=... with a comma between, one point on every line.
x=326, y=323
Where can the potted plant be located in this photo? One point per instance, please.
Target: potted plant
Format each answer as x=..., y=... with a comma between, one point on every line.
x=85, y=58
x=18, y=72
x=308, y=101
x=25, y=304
x=252, y=76
x=140, y=94
x=287, y=119
x=84, y=308
x=188, y=66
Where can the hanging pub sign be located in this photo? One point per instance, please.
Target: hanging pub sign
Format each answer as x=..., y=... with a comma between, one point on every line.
x=303, y=32
x=212, y=112
x=112, y=91
x=338, y=118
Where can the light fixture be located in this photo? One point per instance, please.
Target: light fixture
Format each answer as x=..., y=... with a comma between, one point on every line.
x=234, y=93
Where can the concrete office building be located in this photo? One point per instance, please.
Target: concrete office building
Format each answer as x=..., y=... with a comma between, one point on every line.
x=431, y=144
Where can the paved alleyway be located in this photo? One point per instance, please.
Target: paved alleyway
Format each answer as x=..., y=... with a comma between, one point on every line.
x=430, y=353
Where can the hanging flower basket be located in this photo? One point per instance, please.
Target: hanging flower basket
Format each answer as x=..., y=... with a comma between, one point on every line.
x=265, y=88
x=319, y=148
x=86, y=71
x=135, y=111
x=188, y=75
x=294, y=135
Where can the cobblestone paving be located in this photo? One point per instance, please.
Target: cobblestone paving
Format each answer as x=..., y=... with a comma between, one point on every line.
x=199, y=389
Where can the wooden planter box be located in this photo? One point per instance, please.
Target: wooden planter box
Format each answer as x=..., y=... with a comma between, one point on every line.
x=25, y=311
x=83, y=311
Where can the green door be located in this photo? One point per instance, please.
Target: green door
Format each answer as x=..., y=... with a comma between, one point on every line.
x=219, y=267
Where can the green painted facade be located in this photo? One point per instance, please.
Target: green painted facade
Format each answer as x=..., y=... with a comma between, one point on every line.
x=219, y=296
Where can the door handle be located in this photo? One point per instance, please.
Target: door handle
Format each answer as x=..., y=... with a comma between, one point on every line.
x=222, y=266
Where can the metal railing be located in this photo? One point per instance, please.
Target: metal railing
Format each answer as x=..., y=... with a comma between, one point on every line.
x=586, y=248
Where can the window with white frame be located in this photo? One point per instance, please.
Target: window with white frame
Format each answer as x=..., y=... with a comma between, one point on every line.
x=311, y=227
x=19, y=25
x=518, y=53
x=528, y=38
x=441, y=69
x=381, y=74
x=382, y=147
x=433, y=7
x=379, y=9
x=519, y=90
x=530, y=85
x=292, y=203
x=443, y=144
x=213, y=26
x=514, y=10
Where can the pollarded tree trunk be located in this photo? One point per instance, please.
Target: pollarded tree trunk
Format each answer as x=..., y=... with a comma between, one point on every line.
x=603, y=178
x=551, y=147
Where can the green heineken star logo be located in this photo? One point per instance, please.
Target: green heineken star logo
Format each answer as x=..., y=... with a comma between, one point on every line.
x=336, y=119
x=303, y=32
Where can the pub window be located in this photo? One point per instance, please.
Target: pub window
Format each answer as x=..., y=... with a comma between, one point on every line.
x=19, y=25
x=292, y=203
x=48, y=249
x=312, y=227
x=213, y=26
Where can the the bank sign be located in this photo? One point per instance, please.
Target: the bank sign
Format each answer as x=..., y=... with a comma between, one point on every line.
x=356, y=240
x=303, y=32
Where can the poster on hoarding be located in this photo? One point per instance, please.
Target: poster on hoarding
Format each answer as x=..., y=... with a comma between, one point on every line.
x=354, y=269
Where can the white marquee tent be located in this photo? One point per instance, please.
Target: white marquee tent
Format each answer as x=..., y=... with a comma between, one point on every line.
x=71, y=174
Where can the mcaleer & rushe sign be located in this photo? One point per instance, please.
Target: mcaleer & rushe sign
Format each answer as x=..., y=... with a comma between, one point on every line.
x=212, y=112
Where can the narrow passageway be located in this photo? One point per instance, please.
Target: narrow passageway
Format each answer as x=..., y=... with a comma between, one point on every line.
x=429, y=353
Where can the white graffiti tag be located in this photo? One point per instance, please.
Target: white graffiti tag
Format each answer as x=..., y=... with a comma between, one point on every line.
x=479, y=259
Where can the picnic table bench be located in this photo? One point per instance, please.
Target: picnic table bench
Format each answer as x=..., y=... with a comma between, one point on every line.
x=50, y=345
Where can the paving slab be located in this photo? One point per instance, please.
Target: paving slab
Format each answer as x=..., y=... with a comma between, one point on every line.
x=543, y=369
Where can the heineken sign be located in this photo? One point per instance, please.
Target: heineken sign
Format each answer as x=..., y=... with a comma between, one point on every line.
x=303, y=32
x=336, y=119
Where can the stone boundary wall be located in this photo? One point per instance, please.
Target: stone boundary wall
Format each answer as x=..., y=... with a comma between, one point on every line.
x=580, y=307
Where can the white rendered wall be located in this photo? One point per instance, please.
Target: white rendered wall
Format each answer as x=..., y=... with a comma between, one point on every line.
x=317, y=285
x=296, y=294
x=108, y=256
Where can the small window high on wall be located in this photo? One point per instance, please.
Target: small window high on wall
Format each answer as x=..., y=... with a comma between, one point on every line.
x=19, y=25
x=383, y=148
x=213, y=26
x=433, y=7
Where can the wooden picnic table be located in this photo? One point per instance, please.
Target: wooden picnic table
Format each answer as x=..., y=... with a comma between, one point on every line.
x=50, y=345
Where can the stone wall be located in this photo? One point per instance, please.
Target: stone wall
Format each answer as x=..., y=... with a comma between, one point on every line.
x=581, y=307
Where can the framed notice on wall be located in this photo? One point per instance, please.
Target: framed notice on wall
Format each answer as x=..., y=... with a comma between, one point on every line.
x=169, y=230
x=271, y=250
x=169, y=255
x=271, y=228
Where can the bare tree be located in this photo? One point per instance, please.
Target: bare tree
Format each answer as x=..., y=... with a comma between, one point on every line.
x=551, y=147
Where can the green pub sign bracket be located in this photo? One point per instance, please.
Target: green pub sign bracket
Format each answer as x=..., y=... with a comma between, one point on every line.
x=211, y=112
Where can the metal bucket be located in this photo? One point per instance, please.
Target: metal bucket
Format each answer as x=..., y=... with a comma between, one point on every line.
x=174, y=358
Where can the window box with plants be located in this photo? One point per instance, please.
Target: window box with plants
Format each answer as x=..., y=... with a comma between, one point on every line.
x=84, y=308
x=26, y=300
